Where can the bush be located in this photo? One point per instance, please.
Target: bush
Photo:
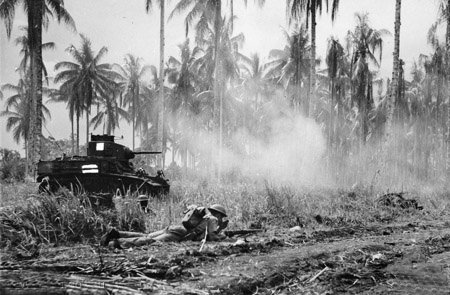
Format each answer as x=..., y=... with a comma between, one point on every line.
x=129, y=214
x=55, y=219
x=12, y=167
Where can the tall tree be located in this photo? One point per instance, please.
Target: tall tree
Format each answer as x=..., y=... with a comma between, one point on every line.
x=445, y=17
x=161, y=124
x=182, y=102
x=393, y=96
x=75, y=107
x=38, y=12
x=290, y=66
x=334, y=61
x=85, y=80
x=108, y=114
x=203, y=12
x=295, y=10
x=439, y=71
x=365, y=41
x=18, y=110
x=131, y=83
x=23, y=42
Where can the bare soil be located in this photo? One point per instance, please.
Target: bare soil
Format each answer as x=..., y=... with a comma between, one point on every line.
x=401, y=258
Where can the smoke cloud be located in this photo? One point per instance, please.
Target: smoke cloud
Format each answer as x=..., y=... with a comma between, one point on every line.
x=286, y=149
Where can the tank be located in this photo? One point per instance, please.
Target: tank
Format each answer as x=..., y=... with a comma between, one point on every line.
x=105, y=170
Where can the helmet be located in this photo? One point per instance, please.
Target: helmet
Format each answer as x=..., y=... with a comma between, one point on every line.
x=218, y=208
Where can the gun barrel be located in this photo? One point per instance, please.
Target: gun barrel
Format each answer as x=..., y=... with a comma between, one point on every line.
x=230, y=233
x=146, y=153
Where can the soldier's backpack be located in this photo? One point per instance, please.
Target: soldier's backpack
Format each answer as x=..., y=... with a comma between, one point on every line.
x=193, y=217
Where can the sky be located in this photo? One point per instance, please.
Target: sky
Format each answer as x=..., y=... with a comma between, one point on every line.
x=124, y=27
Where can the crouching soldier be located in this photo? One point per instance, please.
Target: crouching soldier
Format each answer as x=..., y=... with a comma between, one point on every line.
x=197, y=223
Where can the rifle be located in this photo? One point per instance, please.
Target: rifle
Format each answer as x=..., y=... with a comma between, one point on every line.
x=239, y=232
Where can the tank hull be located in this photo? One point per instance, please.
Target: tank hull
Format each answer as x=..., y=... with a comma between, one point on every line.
x=104, y=184
x=105, y=170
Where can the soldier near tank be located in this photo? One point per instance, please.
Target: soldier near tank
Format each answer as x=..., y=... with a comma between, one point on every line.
x=198, y=223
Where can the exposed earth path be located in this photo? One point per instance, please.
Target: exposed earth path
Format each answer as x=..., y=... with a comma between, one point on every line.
x=401, y=258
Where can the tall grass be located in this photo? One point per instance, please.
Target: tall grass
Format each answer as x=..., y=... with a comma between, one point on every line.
x=53, y=219
x=64, y=218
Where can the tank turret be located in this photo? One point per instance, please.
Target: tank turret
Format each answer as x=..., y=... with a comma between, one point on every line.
x=105, y=169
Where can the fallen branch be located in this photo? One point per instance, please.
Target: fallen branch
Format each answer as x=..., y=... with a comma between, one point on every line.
x=318, y=274
x=204, y=239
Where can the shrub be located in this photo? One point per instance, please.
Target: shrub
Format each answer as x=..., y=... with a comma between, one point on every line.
x=56, y=219
x=129, y=215
x=12, y=167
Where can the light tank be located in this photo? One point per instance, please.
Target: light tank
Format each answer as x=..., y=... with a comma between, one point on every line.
x=105, y=170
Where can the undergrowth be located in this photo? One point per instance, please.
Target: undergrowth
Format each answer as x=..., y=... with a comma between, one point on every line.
x=29, y=219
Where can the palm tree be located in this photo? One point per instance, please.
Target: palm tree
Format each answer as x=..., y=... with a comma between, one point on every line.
x=445, y=17
x=23, y=42
x=202, y=13
x=253, y=79
x=148, y=6
x=38, y=12
x=364, y=41
x=290, y=66
x=131, y=83
x=395, y=72
x=18, y=110
x=148, y=116
x=183, y=103
x=334, y=61
x=228, y=69
x=437, y=63
x=295, y=9
x=85, y=80
x=108, y=114
x=75, y=106
x=439, y=72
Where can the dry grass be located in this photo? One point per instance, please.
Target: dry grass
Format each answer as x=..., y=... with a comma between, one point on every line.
x=28, y=219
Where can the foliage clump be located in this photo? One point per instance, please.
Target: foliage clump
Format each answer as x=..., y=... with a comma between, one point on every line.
x=12, y=167
x=51, y=219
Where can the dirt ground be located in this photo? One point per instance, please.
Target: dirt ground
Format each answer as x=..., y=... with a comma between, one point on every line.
x=402, y=258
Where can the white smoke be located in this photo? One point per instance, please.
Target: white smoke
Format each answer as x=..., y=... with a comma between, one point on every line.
x=289, y=149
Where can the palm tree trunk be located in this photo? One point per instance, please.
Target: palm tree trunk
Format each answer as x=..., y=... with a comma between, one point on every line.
x=395, y=73
x=232, y=15
x=221, y=95
x=297, y=102
x=330, y=139
x=26, y=158
x=108, y=128
x=363, y=102
x=88, y=108
x=72, y=138
x=217, y=30
x=161, y=83
x=78, y=134
x=426, y=133
x=35, y=12
x=312, y=87
x=133, y=114
x=448, y=93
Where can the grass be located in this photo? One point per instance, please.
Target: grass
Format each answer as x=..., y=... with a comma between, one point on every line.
x=28, y=219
